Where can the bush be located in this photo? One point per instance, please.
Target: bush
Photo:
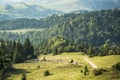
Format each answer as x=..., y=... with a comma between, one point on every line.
x=44, y=59
x=46, y=73
x=38, y=66
x=71, y=61
x=23, y=77
x=81, y=71
x=117, y=66
x=97, y=72
x=86, y=71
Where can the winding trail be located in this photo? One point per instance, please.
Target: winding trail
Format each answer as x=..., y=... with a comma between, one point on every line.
x=91, y=63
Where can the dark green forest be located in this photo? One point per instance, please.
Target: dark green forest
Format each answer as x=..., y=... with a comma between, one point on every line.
x=69, y=32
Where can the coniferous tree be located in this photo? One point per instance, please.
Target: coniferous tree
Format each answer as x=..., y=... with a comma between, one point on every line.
x=28, y=49
x=14, y=45
x=85, y=70
x=18, y=54
x=90, y=51
x=23, y=77
x=55, y=51
x=3, y=47
x=5, y=58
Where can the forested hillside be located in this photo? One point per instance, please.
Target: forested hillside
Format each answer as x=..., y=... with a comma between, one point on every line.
x=95, y=28
x=35, y=23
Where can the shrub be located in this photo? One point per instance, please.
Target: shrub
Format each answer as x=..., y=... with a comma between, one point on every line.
x=38, y=66
x=86, y=71
x=23, y=77
x=71, y=61
x=97, y=72
x=117, y=66
x=44, y=59
x=46, y=73
x=81, y=71
x=103, y=70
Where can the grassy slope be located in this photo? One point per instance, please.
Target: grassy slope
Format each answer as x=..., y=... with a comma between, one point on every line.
x=106, y=61
x=21, y=30
x=64, y=70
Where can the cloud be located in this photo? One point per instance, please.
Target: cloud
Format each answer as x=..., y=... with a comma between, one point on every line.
x=64, y=5
x=69, y=5
x=13, y=0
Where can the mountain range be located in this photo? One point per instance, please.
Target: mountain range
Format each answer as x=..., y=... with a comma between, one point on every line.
x=10, y=9
x=24, y=10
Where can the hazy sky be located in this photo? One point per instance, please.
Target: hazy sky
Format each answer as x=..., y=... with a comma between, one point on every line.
x=62, y=5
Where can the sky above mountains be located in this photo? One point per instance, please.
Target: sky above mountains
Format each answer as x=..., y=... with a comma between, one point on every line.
x=68, y=5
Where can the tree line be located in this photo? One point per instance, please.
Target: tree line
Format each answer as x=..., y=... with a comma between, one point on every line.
x=58, y=45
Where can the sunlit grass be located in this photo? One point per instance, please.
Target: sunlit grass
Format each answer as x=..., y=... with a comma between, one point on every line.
x=106, y=61
x=65, y=70
x=21, y=30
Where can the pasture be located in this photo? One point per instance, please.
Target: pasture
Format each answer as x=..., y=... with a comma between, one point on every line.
x=21, y=30
x=60, y=68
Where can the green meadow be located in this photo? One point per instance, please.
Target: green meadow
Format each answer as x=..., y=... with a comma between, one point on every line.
x=60, y=68
x=21, y=30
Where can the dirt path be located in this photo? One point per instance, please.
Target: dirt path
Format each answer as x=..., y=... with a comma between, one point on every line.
x=91, y=63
